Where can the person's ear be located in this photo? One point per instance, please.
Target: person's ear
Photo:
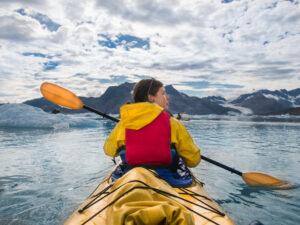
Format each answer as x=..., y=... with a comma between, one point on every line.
x=150, y=98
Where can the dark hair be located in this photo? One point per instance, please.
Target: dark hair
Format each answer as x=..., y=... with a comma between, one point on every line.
x=144, y=88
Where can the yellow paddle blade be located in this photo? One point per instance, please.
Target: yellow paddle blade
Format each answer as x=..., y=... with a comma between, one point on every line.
x=264, y=180
x=60, y=96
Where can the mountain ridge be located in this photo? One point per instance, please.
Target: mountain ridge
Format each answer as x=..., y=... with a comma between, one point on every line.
x=262, y=102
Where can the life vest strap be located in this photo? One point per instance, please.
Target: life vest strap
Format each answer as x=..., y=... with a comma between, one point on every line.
x=173, y=165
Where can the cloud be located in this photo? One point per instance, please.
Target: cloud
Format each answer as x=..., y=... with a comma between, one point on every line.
x=143, y=11
x=19, y=29
x=42, y=19
x=232, y=46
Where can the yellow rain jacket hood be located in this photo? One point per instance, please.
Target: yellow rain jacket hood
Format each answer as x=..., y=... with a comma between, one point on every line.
x=136, y=116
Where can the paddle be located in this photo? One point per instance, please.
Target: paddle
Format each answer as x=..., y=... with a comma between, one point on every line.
x=66, y=98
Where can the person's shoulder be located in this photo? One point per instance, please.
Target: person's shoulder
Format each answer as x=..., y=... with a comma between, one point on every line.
x=174, y=120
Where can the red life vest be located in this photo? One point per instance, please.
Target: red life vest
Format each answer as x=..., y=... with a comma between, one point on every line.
x=150, y=145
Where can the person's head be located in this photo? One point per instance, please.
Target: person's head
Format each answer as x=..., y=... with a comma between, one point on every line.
x=150, y=90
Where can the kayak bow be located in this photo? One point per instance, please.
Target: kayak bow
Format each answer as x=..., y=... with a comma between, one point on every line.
x=140, y=197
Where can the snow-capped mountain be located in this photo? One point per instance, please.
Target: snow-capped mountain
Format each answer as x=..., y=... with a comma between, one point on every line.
x=265, y=101
x=262, y=102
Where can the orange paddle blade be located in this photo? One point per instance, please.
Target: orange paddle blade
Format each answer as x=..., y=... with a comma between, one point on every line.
x=60, y=96
x=264, y=180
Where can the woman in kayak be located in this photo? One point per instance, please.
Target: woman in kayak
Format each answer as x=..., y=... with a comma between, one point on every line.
x=147, y=131
x=178, y=116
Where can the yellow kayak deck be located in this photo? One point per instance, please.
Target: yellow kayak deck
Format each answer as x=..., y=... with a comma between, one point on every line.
x=140, y=197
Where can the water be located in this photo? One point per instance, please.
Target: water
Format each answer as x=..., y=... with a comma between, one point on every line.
x=49, y=164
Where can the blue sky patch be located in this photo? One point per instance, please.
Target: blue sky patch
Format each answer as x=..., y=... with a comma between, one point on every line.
x=51, y=65
x=107, y=42
x=119, y=79
x=274, y=5
x=283, y=36
x=127, y=41
x=186, y=66
x=228, y=35
x=21, y=11
x=198, y=84
x=36, y=54
x=198, y=87
x=94, y=79
x=205, y=84
x=80, y=75
x=45, y=20
x=226, y=1
x=141, y=76
x=227, y=86
x=42, y=19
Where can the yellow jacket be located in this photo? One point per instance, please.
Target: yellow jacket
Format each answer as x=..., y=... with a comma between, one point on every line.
x=136, y=116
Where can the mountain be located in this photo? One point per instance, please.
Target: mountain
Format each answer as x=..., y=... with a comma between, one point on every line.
x=290, y=111
x=109, y=102
x=265, y=101
x=180, y=102
x=216, y=99
x=43, y=103
x=116, y=96
x=262, y=102
x=112, y=98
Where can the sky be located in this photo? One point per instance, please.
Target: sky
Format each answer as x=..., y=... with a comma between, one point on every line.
x=201, y=47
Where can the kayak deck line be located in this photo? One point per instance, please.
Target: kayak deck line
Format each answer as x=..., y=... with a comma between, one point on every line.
x=102, y=205
x=192, y=194
x=185, y=191
x=147, y=187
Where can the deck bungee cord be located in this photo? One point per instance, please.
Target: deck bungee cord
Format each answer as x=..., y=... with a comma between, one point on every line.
x=191, y=194
x=147, y=187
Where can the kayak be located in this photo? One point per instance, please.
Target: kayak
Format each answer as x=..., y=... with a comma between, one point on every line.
x=141, y=196
x=183, y=119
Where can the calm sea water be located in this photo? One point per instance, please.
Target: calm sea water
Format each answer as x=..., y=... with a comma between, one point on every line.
x=49, y=164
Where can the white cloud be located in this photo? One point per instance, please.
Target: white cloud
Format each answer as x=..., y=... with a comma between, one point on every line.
x=251, y=44
x=18, y=28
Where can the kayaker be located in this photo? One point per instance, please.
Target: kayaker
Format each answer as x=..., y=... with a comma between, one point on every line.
x=147, y=131
x=178, y=116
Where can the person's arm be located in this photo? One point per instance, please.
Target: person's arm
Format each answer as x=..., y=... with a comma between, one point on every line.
x=115, y=140
x=184, y=144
